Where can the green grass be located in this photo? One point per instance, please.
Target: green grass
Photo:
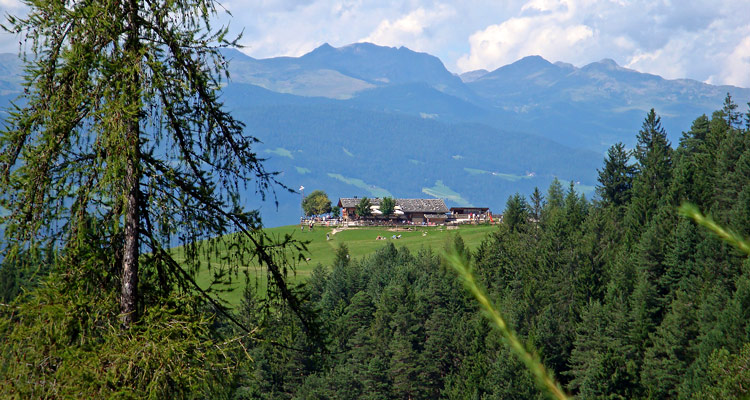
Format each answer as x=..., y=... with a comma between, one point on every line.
x=507, y=177
x=441, y=191
x=375, y=191
x=360, y=241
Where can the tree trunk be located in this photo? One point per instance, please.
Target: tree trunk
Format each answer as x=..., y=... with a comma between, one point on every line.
x=129, y=290
x=129, y=293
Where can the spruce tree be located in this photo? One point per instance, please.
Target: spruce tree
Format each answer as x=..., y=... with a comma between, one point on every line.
x=654, y=156
x=671, y=351
x=555, y=194
x=616, y=178
x=516, y=212
x=732, y=116
x=537, y=203
x=692, y=178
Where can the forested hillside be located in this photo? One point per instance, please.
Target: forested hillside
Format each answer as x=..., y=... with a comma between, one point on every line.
x=621, y=296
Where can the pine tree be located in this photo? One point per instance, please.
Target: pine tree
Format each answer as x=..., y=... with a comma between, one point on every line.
x=671, y=351
x=516, y=212
x=576, y=208
x=555, y=195
x=654, y=156
x=729, y=181
x=739, y=216
x=616, y=178
x=727, y=375
x=732, y=116
x=537, y=204
x=692, y=178
x=598, y=362
x=405, y=371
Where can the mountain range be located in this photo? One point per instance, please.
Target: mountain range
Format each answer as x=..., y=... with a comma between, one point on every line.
x=367, y=120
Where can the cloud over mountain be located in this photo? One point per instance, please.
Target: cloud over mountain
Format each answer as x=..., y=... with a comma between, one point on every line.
x=704, y=40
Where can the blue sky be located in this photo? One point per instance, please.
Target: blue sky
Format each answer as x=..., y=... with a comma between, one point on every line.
x=704, y=40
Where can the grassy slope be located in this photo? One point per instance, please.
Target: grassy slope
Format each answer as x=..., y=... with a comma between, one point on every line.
x=361, y=242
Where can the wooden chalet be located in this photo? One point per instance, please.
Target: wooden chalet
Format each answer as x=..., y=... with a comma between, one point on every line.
x=412, y=210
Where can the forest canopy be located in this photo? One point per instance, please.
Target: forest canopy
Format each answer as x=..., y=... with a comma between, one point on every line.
x=620, y=295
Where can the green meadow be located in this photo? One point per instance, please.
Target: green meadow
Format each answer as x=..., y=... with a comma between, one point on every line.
x=360, y=241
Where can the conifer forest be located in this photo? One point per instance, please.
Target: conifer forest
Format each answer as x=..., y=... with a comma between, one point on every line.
x=120, y=179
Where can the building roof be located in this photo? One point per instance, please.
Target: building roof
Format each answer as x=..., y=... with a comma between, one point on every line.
x=406, y=205
x=469, y=208
x=351, y=202
x=434, y=206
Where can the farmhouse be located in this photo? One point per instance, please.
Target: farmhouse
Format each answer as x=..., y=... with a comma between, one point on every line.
x=412, y=210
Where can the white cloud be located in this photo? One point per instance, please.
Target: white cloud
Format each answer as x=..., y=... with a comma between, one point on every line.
x=410, y=29
x=737, y=69
x=11, y=5
x=708, y=41
x=552, y=34
x=543, y=5
x=698, y=39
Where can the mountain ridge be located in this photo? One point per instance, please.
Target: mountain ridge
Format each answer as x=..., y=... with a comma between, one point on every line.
x=368, y=120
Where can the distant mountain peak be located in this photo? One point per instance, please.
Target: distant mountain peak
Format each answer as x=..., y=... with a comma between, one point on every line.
x=324, y=46
x=533, y=60
x=524, y=66
x=606, y=64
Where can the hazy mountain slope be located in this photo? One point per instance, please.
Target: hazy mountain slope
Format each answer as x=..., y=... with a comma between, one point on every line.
x=349, y=151
x=371, y=120
x=598, y=104
x=341, y=72
x=593, y=106
x=473, y=75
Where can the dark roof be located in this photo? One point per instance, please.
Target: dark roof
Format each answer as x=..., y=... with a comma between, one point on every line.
x=469, y=208
x=406, y=205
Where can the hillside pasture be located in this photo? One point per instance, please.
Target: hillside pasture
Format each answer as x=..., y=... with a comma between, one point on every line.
x=361, y=242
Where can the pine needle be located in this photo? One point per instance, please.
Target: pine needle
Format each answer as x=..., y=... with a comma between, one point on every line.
x=532, y=362
x=691, y=211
